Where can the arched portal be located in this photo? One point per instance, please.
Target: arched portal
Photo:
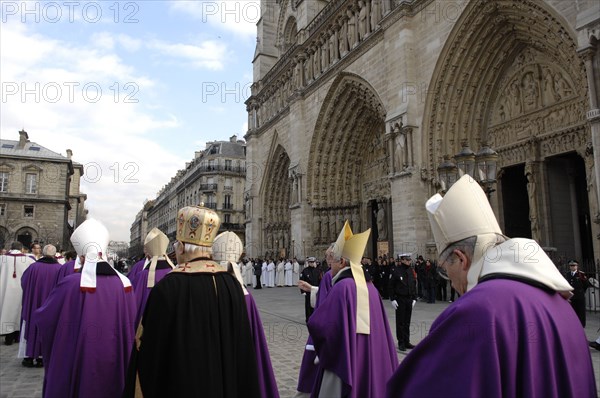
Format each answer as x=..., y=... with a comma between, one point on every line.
x=276, y=199
x=509, y=76
x=26, y=236
x=348, y=165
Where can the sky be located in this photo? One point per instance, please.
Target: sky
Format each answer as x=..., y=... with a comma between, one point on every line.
x=133, y=88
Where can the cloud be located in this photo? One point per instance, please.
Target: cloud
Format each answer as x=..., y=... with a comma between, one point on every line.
x=108, y=125
x=208, y=54
x=239, y=17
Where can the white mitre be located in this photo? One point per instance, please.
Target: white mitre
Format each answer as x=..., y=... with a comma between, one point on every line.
x=465, y=212
x=90, y=240
x=227, y=250
x=155, y=246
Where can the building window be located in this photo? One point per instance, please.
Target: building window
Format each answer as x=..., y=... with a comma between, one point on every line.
x=28, y=211
x=30, y=183
x=228, y=164
x=3, y=181
x=2, y=209
x=227, y=218
x=227, y=202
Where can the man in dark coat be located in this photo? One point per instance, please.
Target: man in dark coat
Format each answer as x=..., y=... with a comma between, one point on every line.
x=311, y=274
x=402, y=292
x=580, y=283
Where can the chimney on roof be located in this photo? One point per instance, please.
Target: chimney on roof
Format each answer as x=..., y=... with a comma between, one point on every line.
x=23, y=139
x=69, y=154
x=197, y=154
x=233, y=138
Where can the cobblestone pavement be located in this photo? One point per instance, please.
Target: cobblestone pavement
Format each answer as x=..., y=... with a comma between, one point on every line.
x=282, y=312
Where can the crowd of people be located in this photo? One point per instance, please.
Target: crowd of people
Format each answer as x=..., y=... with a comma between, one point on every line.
x=190, y=327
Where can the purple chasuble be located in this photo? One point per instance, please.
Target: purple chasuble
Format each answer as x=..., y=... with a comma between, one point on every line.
x=308, y=369
x=137, y=267
x=266, y=378
x=364, y=363
x=37, y=283
x=86, y=338
x=503, y=338
x=142, y=291
x=64, y=270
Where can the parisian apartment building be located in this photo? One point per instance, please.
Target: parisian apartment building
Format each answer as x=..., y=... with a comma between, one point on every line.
x=40, y=196
x=215, y=177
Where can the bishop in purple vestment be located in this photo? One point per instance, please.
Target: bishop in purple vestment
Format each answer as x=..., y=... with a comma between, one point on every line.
x=227, y=249
x=159, y=265
x=308, y=368
x=87, y=324
x=350, y=330
x=512, y=333
x=37, y=283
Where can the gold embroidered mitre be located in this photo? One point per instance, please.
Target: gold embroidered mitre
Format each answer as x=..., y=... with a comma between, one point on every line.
x=197, y=225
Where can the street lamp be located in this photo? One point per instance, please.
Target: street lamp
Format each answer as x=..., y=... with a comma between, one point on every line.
x=480, y=166
x=465, y=160
x=487, y=160
x=447, y=173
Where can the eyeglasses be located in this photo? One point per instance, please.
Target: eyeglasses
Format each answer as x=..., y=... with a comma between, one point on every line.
x=441, y=269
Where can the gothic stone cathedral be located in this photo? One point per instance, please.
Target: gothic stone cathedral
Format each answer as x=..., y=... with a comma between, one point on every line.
x=358, y=106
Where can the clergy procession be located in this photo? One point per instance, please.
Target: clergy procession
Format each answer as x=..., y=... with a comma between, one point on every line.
x=192, y=328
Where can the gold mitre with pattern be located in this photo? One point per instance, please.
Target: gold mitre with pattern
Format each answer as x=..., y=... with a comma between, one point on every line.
x=463, y=212
x=156, y=243
x=197, y=225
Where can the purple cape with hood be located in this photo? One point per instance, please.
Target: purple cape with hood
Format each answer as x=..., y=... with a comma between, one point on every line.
x=266, y=378
x=87, y=337
x=64, y=270
x=308, y=369
x=140, y=286
x=503, y=338
x=364, y=363
x=37, y=283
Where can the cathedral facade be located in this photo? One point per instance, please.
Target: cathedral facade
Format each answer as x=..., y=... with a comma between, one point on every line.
x=361, y=110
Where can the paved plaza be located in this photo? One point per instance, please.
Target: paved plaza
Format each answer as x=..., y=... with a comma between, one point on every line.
x=282, y=312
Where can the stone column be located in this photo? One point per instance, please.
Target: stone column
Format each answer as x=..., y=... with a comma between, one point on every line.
x=574, y=213
x=531, y=172
x=593, y=115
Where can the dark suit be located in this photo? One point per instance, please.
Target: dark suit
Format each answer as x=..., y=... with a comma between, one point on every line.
x=403, y=289
x=580, y=284
x=258, y=272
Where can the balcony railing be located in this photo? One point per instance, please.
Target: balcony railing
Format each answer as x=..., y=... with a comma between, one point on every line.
x=227, y=206
x=228, y=188
x=208, y=187
x=231, y=227
x=211, y=205
x=230, y=169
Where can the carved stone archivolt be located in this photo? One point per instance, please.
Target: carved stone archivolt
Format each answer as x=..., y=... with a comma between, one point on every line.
x=276, y=202
x=520, y=78
x=338, y=29
x=348, y=161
